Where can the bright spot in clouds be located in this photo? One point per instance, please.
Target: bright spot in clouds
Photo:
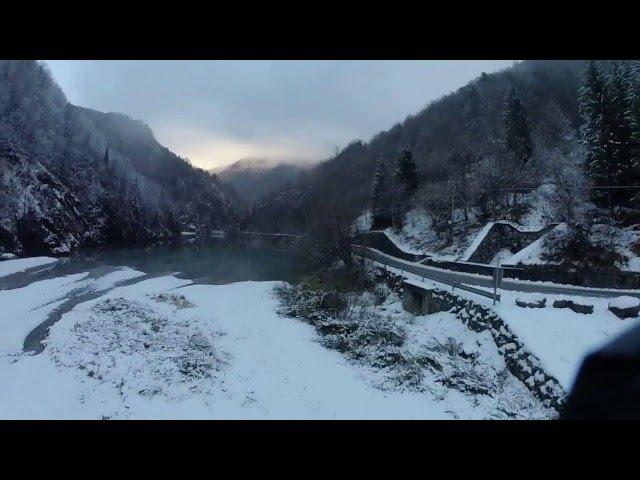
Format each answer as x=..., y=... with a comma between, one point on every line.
x=217, y=112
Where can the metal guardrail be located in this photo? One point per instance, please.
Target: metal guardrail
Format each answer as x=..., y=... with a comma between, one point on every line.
x=478, y=291
x=486, y=281
x=426, y=273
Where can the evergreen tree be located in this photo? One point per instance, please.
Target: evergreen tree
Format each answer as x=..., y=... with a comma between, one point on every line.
x=618, y=86
x=173, y=225
x=517, y=131
x=593, y=101
x=110, y=230
x=132, y=215
x=471, y=111
x=112, y=203
x=66, y=141
x=407, y=172
x=598, y=137
x=379, y=199
x=633, y=117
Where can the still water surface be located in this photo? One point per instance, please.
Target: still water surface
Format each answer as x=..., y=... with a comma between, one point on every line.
x=213, y=263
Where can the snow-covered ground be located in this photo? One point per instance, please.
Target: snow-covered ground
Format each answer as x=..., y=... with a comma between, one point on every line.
x=418, y=237
x=8, y=267
x=164, y=348
x=152, y=350
x=475, y=243
x=24, y=308
x=559, y=337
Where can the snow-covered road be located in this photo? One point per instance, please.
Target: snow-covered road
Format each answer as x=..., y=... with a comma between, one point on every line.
x=450, y=276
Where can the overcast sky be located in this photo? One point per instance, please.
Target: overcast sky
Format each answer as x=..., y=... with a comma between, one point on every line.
x=217, y=112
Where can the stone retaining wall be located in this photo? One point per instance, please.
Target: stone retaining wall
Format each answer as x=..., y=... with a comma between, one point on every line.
x=505, y=235
x=520, y=362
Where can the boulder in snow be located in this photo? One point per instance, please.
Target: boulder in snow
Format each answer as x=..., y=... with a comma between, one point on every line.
x=535, y=304
x=576, y=307
x=625, y=307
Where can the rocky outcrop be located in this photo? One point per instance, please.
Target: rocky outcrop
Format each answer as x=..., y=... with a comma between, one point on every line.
x=71, y=174
x=38, y=214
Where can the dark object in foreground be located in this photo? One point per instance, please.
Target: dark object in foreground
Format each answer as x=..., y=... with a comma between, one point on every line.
x=576, y=307
x=608, y=384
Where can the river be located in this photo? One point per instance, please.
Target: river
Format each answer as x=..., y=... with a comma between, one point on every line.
x=211, y=263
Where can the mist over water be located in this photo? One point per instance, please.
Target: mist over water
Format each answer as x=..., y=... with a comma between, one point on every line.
x=214, y=263
x=210, y=263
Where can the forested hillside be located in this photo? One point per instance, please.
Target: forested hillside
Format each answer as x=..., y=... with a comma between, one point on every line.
x=552, y=139
x=468, y=120
x=72, y=176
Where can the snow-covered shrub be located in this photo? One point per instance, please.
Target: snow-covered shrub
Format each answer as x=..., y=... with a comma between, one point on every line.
x=565, y=199
x=178, y=301
x=596, y=248
x=373, y=331
x=140, y=351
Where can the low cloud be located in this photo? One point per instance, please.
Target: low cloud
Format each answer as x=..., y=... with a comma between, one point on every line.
x=216, y=112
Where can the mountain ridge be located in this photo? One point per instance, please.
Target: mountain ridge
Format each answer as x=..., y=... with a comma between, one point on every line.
x=255, y=178
x=129, y=187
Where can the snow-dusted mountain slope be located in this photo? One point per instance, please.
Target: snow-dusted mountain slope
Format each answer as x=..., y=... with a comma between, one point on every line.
x=73, y=176
x=37, y=212
x=253, y=179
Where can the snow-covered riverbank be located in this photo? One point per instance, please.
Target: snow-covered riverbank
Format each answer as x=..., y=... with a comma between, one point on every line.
x=165, y=348
x=9, y=267
x=153, y=350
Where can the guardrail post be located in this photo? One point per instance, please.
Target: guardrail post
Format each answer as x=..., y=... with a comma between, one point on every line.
x=497, y=282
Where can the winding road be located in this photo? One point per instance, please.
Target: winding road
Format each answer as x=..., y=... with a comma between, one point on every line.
x=449, y=277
